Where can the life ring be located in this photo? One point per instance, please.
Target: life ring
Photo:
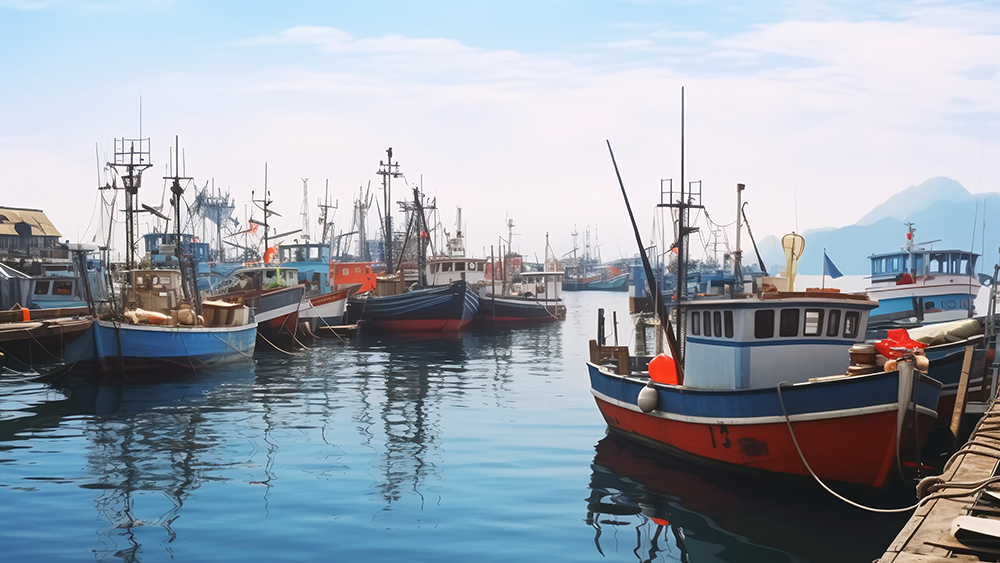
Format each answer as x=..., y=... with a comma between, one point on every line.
x=270, y=254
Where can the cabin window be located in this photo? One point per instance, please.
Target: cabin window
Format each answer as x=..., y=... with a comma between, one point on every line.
x=42, y=287
x=813, y=323
x=459, y=266
x=852, y=322
x=62, y=288
x=763, y=324
x=696, y=323
x=788, y=325
x=717, y=321
x=728, y=315
x=446, y=267
x=833, y=323
x=707, y=322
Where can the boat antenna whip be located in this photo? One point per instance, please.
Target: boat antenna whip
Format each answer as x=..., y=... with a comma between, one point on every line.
x=662, y=312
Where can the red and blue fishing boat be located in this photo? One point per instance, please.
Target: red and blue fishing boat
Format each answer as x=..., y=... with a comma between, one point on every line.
x=766, y=388
x=760, y=381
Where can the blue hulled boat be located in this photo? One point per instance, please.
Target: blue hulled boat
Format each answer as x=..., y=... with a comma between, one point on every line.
x=447, y=308
x=161, y=333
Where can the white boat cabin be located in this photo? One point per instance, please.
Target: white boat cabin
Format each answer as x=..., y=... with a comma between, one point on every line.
x=760, y=341
x=443, y=270
x=890, y=267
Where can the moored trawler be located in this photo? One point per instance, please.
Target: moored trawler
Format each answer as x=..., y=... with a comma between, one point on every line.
x=917, y=285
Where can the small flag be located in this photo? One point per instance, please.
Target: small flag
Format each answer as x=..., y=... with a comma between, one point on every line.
x=829, y=267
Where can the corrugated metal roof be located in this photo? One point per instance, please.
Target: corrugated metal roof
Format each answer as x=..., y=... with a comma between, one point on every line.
x=40, y=225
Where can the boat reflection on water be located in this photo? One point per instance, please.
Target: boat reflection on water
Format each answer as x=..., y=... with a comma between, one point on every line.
x=150, y=448
x=676, y=513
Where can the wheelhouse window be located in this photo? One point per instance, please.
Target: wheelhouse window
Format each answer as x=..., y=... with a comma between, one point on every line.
x=813, y=322
x=62, y=288
x=789, y=323
x=852, y=323
x=696, y=323
x=763, y=323
x=728, y=315
x=833, y=323
x=707, y=319
x=42, y=287
x=717, y=321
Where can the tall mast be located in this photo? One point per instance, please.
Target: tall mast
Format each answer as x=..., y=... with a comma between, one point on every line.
x=304, y=212
x=176, y=191
x=132, y=158
x=263, y=204
x=388, y=171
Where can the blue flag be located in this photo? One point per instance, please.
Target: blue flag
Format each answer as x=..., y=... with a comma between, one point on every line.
x=829, y=268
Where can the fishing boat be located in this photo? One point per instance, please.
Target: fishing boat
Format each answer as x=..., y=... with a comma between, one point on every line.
x=534, y=298
x=323, y=304
x=760, y=382
x=155, y=323
x=917, y=284
x=613, y=279
x=418, y=307
x=272, y=292
x=161, y=331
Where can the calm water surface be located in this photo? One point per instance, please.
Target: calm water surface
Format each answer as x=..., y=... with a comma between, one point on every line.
x=484, y=447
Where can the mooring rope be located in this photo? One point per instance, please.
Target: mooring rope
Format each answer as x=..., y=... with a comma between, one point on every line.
x=820, y=481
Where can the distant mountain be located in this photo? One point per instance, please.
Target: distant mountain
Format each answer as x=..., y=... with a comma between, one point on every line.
x=916, y=198
x=941, y=210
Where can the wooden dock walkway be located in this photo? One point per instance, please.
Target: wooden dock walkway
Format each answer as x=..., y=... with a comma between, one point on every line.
x=959, y=518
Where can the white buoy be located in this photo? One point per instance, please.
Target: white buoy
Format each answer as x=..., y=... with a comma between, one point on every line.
x=647, y=398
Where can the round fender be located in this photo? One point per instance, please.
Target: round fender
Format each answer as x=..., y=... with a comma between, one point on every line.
x=648, y=398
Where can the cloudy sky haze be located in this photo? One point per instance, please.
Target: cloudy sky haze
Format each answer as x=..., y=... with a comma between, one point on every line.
x=822, y=109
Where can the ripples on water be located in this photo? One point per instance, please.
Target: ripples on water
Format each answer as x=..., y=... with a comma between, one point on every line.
x=484, y=447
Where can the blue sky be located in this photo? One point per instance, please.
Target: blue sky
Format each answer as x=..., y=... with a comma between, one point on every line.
x=822, y=109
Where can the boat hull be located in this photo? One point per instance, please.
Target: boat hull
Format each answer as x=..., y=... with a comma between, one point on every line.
x=437, y=309
x=138, y=351
x=520, y=310
x=32, y=343
x=846, y=427
x=617, y=283
x=276, y=311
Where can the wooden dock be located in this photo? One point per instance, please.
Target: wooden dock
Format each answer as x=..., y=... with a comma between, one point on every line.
x=959, y=520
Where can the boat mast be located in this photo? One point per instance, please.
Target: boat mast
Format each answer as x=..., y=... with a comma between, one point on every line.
x=262, y=205
x=304, y=212
x=176, y=191
x=388, y=171
x=132, y=157
x=738, y=253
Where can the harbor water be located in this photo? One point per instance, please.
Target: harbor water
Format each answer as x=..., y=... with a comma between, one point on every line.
x=482, y=447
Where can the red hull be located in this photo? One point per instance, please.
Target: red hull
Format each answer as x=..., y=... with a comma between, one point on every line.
x=858, y=449
x=279, y=327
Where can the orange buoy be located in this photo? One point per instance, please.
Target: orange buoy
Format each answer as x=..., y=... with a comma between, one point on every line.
x=270, y=254
x=663, y=369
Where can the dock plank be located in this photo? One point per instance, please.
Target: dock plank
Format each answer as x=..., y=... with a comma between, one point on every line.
x=927, y=536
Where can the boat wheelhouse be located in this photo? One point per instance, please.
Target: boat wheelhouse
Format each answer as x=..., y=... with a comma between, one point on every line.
x=752, y=342
x=917, y=285
x=443, y=270
x=535, y=298
x=323, y=304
